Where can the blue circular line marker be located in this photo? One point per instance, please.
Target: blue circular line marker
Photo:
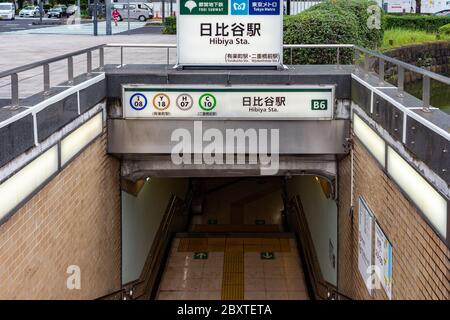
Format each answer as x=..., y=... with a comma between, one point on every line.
x=135, y=105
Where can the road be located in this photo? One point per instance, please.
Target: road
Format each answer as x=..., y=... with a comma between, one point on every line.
x=20, y=24
x=59, y=26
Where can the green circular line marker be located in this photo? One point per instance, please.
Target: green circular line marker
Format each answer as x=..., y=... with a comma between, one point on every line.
x=213, y=102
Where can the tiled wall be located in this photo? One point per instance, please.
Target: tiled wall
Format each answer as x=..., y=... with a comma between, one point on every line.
x=73, y=220
x=421, y=266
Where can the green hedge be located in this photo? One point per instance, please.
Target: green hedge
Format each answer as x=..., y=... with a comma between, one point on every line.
x=370, y=38
x=445, y=29
x=331, y=22
x=417, y=22
x=170, y=25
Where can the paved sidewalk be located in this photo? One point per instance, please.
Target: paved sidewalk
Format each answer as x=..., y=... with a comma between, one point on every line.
x=19, y=50
x=82, y=29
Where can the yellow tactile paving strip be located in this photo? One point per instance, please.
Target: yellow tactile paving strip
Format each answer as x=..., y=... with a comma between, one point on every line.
x=235, y=269
x=233, y=265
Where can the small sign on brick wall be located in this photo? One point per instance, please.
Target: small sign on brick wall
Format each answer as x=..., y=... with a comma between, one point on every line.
x=267, y=255
x=202, y=255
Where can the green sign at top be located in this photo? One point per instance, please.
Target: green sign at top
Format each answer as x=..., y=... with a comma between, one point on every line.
x=204, y=7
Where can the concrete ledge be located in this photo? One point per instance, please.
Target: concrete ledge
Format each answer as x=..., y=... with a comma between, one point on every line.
x=16, y=138
x=426, y=136
x=56, y=115
x=162, y=74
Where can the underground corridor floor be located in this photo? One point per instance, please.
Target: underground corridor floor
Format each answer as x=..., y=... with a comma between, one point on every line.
x=233, y=269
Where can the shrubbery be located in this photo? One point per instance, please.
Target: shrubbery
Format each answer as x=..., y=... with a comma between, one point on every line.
x=370, y=38
x=445, y=29
x=416, y=22
x=331, y=22
x=170, y=25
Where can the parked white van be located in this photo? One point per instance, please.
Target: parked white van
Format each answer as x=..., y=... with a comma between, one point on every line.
x=138, y=10
x=7, y=10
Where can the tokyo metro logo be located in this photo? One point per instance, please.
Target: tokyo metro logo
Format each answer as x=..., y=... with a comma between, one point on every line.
x=239, y=7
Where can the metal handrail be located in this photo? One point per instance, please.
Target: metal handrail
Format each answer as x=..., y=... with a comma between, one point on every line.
x=14, y=73
x=48, y=61
x=145, y=45
x=368, y=54
x=401, y=67
x=321, y=289
x=407, y=66
x=128, y=290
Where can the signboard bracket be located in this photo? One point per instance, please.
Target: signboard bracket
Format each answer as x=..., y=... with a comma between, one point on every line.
x=217, y=67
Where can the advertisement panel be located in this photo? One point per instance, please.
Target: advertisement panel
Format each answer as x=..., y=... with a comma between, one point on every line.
x=365, y=231
x=383, y=260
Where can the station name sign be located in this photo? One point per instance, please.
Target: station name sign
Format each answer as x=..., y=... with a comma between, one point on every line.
x=230, y=32
x=224, y=102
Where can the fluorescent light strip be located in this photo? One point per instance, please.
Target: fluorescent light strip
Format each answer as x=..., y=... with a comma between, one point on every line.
x=17, y=188
x=373, y=142
x=426, y=198
x=78, y=139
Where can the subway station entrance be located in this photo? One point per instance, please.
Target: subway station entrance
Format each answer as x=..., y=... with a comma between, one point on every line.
x=228, y=175
x=231, y=238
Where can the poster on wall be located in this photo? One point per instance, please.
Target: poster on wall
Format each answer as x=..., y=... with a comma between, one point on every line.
x=365, y=227
x=383, y=260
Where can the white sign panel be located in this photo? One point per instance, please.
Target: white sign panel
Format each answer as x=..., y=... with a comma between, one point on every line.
x=230, y=32
x=222, y=102
x=383, y=260
x=365, y=227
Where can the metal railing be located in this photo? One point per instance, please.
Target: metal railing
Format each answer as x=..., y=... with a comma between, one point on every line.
x=401, y=67
x=319, y=288
x=143, y=287
x=368, y=57
x=153, y=46
x=45, y=65
x=338, y=48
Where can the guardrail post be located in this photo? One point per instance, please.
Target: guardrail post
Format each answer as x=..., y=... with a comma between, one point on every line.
x=356, y=57
x=381, y=69
x=291, y=56
x=14, y=90
x=338, y=57
x=101, y=56
x=400, y=80
x=168, y=55
x=46, y=78
x=366, y=62
x=121, y=56
x=426, y=94
x=89, y=61
x=70, y=70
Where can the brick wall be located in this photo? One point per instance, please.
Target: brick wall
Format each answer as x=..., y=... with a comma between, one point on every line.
x=421, y=267
x=73, y=220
